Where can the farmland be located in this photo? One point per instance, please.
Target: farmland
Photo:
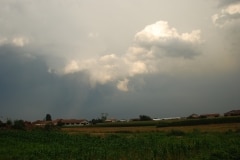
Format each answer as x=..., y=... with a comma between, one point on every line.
x=147, y=129
x=217, y=141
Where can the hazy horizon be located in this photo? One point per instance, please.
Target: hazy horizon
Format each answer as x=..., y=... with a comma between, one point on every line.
x=78, y=59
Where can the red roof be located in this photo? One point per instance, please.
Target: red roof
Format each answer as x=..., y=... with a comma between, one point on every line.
x=69, y=120
x=233, y=112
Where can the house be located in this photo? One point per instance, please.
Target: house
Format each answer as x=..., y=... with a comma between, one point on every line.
x=157, y=119
x=41, y=123
x=134, y=119
x=28, y=124
x=71, y=122
x=171, y=118
x=111, y=120
x=122, y=120
x=232, y=113
x=192, y=116
x=209, y=115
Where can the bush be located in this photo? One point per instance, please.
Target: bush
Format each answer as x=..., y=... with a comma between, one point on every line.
x=192, y=122
x=145, y=118
x=9, y=122
x=176, y=133
x=48, y=127
x=19, y=124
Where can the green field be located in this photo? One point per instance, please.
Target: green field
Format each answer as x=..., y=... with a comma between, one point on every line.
x=170, y=145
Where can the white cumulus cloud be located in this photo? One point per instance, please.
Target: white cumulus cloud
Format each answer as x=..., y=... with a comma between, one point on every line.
x=71, y=67
x=150, y=47
x=227, y=15
x=160, y=32
x=123, y=85
x=19, y=41
x=159, y=39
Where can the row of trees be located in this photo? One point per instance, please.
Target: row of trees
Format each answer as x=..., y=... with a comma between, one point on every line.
x=104, y=118
x=19, y=124
x=16, y=124
x=144, y=118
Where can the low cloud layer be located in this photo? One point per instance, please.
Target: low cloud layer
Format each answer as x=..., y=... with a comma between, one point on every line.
x=227, y=2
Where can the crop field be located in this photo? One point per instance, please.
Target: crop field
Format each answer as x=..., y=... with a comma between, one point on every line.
x=139, y=129
x=141, y=144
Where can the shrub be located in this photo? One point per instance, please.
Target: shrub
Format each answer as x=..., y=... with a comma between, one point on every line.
x=192, y=122
x=176, y=133
x=19, y=124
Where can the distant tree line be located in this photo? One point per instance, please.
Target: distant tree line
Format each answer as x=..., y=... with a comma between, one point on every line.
x=22, y=125
x=145, y=118
x=16, y=124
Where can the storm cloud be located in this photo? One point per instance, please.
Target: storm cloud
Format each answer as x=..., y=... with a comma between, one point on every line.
x=229, y=14
x=150, y=45
x=227, y=2
x=78, y=59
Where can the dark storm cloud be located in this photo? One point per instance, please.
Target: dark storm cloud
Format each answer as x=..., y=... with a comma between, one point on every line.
x=176, y=48
x=22, y=78
x=172, y=95
x=228, y=21
x=223, y=3
x=227, y=18
x=76, y=59
x=28, y=90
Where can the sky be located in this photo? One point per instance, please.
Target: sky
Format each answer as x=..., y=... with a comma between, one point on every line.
x=81, y=58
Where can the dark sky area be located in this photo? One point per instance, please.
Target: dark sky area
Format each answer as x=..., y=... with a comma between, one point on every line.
x=78, y=59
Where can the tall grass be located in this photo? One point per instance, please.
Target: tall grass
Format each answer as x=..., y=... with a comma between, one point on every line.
x=155, y=146
x=203, y=121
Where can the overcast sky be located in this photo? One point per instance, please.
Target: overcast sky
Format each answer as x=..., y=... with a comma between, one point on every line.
x=81, y=58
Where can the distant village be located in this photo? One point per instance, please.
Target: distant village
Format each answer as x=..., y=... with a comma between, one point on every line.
x=104, y=119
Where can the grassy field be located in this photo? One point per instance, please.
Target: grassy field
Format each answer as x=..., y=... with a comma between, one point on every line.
x=139, y=129
x=214, y=142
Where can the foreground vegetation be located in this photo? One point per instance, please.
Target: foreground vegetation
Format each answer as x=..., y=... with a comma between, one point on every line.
x=201, y=121
x=174, y=144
